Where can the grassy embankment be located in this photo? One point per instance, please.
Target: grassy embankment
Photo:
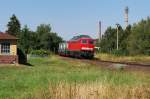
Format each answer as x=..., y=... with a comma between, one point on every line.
x=54, y=78
x=138, y=59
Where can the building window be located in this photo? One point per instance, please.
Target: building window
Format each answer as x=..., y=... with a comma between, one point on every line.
x=5, y=48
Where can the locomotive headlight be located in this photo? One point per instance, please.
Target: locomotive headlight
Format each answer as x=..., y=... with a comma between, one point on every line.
x=87, y=48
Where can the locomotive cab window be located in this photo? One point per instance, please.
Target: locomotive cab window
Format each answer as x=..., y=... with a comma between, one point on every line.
x=84, y=41
x=91, y=42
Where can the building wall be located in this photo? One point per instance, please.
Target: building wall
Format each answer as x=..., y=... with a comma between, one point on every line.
x=12, y=57
x=13, y=48
x=8, y=59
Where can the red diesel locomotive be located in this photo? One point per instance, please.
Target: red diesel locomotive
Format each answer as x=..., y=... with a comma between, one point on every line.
x=78, y=46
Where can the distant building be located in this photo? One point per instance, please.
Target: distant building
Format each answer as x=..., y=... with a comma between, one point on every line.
x=8, y=49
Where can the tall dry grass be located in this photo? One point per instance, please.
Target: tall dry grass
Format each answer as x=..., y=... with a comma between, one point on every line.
x=93, y=91
x=110, y=57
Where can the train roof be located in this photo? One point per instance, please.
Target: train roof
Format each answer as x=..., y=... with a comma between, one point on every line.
x=80, y=36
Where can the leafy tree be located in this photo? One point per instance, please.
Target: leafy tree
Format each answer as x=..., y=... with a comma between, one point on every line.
x=139, y=40
x=14, y=26
x=47, y=39
x=43, y=28
x=133, y=40
x=43, y=31
x=54, y=41
x=34, y=41
x=24, y=43
x=108, y=42
x=125, y=37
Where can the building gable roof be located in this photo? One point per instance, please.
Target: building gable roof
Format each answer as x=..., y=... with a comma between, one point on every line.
x=6, y=36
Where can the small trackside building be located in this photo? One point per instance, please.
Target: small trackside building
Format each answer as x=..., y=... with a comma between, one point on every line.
x=8, y=49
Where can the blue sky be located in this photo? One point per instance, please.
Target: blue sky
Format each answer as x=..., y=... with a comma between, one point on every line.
x=72, y=17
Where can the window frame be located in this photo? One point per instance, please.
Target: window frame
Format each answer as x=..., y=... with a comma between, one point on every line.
x=5, y=48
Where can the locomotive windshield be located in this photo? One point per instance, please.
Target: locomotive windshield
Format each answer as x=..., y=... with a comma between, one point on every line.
x=84, y=41
x=91, y=42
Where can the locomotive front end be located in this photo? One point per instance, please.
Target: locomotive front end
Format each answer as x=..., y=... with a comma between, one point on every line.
x=87, y=47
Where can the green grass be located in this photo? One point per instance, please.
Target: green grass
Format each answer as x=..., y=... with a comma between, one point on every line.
x=23, y=81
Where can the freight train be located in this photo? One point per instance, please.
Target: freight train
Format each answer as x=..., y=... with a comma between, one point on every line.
x=81, y=46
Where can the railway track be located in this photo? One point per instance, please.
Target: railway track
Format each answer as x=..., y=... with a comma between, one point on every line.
x=125, y=63
x=112, y=65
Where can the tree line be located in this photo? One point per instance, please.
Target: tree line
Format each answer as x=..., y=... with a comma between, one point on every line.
x=133, y=40
x=28, y=40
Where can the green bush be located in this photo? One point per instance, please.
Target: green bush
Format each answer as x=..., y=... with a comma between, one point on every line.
x=120, y=52
x=40, y=53
x=147, y=52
